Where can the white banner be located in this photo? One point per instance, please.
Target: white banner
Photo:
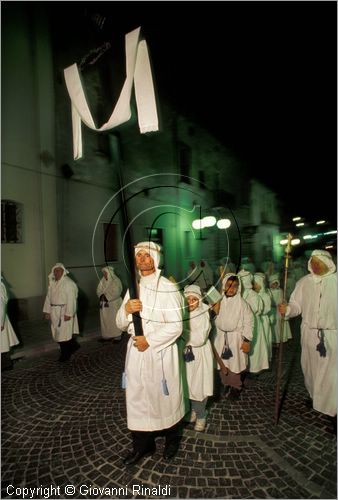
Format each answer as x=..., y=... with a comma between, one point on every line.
x=138, y=70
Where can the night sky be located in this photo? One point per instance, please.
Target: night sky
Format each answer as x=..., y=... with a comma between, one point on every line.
x=260, y=75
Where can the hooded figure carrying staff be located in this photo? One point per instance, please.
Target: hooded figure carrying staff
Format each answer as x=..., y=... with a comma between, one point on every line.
x=315, y=298
x=152, y=377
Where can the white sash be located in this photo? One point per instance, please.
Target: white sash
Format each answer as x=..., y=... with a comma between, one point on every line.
x=137, y=69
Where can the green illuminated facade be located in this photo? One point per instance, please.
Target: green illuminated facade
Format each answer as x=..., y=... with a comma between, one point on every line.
x=70, y=210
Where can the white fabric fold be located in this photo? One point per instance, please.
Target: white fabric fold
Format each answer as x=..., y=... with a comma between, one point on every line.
x=138, y=70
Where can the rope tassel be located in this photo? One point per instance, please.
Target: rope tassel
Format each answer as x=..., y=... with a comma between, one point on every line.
x=321, y=346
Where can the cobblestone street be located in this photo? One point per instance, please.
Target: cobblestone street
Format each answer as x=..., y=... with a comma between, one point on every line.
x=65, y=425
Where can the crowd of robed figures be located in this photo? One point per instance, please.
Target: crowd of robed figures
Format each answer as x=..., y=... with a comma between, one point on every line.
x=186, y=334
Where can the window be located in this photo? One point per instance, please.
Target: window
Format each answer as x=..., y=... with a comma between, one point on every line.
x=11, y=222
x=110, y=242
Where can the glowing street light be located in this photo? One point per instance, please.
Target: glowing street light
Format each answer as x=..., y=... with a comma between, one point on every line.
x=197, y=224
x=296, y=218
x=283, y=242
x=295, y=241
x=208, y=221
x=223, y=223
x=320, y=222
x=299, y=224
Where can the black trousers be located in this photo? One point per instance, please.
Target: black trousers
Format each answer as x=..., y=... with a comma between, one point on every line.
x=67, y=348
x=145, y=440
x=6, y=361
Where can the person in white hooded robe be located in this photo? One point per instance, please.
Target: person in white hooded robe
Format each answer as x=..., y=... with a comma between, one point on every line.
x=259, y=287
x=8, y=337
x=275, y=317
x=234, y=328
x=153, y=383
x=315, y=298
x=109, y=292
x=226, y=266
x=259, y=352
x=198, y=356
x=60, y=308
x=248, y=265
x=200, y=275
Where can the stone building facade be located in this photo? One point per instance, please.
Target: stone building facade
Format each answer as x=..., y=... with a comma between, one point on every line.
x=71, y=210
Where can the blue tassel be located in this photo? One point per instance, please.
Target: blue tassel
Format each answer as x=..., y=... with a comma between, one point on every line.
x=124, y=380
x=227, y=353
x=321, y=346
x=188, y=355
x=165, y=387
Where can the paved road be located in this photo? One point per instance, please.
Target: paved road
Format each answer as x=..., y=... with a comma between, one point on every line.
x=65, y=424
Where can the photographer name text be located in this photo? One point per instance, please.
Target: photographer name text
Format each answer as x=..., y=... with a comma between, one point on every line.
x=84, y=490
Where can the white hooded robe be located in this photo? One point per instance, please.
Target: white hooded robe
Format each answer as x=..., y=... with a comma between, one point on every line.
x=112, y=289
x=315, y=298
x=8, y=337
x=275, y=316
x=200, y=371
x=148, y=407
x=234, y=321
x=259, y=352
x=61, y=301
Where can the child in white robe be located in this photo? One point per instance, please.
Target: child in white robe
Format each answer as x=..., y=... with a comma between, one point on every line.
x=234, y=323
x=198, y=356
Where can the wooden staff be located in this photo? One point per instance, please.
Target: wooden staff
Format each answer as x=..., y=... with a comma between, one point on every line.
x=115, y=147
x=281, y=333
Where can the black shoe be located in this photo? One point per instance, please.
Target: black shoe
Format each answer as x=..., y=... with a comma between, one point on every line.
x=226, y=390
x=5, y=368
x=170, y=450
x=234, y=394
x=135, y=456
x=64, y=357
x=75, y=347
x=309, y=403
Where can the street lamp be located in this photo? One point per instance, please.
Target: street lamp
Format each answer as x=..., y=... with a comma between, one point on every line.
x=198, y=224
x=223, y=223
x=209, y=221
